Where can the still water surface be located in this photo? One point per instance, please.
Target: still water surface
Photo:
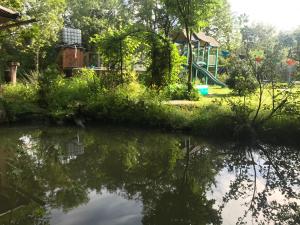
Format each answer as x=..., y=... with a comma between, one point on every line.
x=118, y=176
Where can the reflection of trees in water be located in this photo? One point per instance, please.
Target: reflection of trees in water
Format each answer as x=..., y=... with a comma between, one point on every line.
x=37, y=180
x=171, y=178
x=268, y=177
x=153, y=169
x=185, y=201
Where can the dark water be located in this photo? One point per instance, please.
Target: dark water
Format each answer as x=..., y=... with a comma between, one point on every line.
x=116, y=176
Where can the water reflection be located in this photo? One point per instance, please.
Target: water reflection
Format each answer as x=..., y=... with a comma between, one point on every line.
x=107, y=208
x=119, y=176
x=267, y=179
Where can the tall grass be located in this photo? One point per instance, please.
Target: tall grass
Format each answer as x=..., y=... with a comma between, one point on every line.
x=85, y=97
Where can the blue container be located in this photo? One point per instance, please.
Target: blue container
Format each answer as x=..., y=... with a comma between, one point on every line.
x=203, y=89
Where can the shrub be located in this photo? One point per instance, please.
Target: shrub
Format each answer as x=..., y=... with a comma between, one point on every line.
x=135, y=104
x=67, y=95
x=212, y=120
x=20, y=99
x=241, y=80
x=180, y=92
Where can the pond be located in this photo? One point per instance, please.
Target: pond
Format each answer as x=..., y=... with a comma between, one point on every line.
x=120, y=176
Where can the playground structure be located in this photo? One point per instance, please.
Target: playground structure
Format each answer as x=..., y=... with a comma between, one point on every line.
x=205, y=56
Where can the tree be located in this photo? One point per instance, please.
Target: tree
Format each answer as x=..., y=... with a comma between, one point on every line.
x=122, y=49
x=221, y=24
x=30, y=43
x=259, y=65
x=192, y=15
x=45, y=32
x=97, y=17
x=154, y=15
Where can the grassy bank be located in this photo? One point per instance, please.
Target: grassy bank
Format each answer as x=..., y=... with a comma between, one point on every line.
x=85, y=100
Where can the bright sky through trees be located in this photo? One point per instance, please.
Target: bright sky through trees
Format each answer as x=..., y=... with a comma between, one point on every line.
x=284, y=15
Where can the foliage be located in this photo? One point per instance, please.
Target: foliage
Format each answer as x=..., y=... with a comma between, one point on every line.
x=166, y=61
x=97, y=17
x=128, y=33
x=65, y=97
x=20, y=101
x=221, y=25
x=121, y=104
x=193, y=15
x=119, y=51
x=255, y=74
x=86, y=96
x=212, y=119
x=241, y=79
x=259, y=36
x=291, y=43
x=122, y=50
x=45, y=32
x=31, y=44
x=179, y=91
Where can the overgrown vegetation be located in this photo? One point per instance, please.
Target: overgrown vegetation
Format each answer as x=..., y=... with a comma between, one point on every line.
x=85, y=99
x=125, y=34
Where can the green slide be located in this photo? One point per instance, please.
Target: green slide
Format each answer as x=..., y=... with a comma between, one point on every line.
x=208, y=74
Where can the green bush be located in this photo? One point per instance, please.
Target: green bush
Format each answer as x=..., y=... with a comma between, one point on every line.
x=180, y=92
x=85, y=96
x=212, y=120
x=66, y=96
x=241, y=80
x=19, y=100
x=133, y=103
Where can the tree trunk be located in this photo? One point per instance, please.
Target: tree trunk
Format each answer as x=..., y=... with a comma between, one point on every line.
x=190, y=63
x=190, y=57
x=122, y=62
x=37, y=60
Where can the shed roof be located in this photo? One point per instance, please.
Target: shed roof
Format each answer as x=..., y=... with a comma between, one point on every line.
x=7, y=15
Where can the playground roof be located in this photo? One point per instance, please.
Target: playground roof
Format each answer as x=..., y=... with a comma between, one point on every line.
x=7, y=15
x=181, y=37
x=210, y=40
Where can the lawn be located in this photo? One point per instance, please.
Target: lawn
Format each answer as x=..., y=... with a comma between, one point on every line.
x=220, y=101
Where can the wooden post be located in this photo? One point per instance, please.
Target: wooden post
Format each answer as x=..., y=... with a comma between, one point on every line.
x=207, y=60
x=13, y=67
x=198, y=51
x=207, y=63
x=216, y=63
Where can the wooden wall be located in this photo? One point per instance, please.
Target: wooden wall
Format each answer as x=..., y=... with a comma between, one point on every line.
x=71, y=58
